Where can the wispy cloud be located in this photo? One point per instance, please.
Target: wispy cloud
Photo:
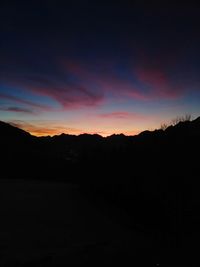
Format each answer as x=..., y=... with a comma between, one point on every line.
x=158, y=83
x=24, y=102
x=120, y=115
x=17, y=109
x=154, y=77
x=74, y=84
x=70, y=95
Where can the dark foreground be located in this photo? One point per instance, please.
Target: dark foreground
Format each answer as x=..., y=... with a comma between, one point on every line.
x=53, y=224
x=94, y=201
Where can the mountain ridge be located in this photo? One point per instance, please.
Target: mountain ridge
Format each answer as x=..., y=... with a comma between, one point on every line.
x=44, y=157
x=152, y=177
x=9, y=126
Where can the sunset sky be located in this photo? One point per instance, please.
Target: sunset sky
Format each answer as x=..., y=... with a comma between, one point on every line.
x=98, y=66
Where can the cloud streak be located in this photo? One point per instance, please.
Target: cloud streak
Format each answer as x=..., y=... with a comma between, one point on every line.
x=141, y=82
x=73, y=85
x=28, y=103
x=158, y=84
x=120, y=115
x=17, y=110
x=69, y=95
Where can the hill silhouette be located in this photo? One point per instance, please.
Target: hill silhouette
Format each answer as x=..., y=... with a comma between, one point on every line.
x=152, y=177
x=156, y=152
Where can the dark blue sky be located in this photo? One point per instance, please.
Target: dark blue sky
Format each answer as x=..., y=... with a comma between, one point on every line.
x=95, y=66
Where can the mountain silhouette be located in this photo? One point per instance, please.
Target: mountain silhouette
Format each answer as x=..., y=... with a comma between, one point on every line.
x=152, y=177
x=151, y=152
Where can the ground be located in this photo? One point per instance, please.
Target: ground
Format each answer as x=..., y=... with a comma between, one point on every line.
x=52, y=224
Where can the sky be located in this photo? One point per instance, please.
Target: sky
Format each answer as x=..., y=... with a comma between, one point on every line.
x=98, y=66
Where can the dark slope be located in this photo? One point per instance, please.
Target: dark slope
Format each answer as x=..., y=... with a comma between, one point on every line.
x=159, y=152
x=153, y=178
x=8, y=130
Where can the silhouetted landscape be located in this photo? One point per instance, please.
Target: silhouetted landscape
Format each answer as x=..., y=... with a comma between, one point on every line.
x=98, y=200
x=99, y=133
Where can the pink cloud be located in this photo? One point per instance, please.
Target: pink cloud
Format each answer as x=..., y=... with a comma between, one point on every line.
x=159, y=83
x=68, y=95
x=106, y=80
x=80, y=85
x=120, y=115
x=154, y=76
x=153, y=70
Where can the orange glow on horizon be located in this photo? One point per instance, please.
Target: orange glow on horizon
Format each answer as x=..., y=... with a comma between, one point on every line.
x=50, y=132
x=39, y=132
x=100, y=127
